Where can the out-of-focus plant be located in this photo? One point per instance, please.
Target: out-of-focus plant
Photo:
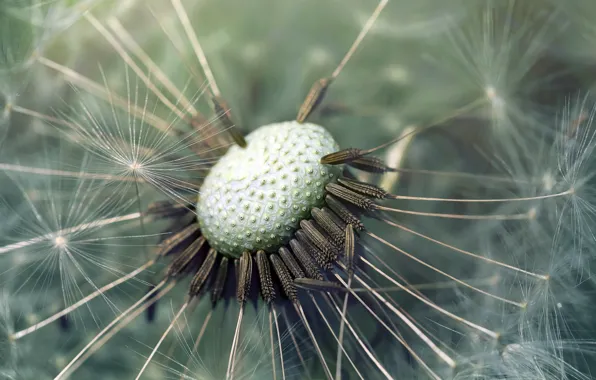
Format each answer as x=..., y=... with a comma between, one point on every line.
x=475, y=119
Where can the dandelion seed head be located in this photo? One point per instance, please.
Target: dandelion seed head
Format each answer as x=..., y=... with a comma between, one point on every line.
x=60, y=242
x=497, y=102
x=255, y=197
x=135, y=166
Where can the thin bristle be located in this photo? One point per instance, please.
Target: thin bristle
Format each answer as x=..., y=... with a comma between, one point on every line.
x=223, y=112
x=99, y=292
x=168, y=209
x=68, y=368
x=318, y=285
x=161, y=339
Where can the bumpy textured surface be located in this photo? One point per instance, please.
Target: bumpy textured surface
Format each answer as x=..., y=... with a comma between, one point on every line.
x=254, y=198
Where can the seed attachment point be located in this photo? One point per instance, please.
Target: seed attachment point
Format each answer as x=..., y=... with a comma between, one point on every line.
x=223, y=113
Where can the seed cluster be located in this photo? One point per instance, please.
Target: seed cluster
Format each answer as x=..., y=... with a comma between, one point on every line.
x=318, y=238
x=325, y=241
x=255, y=197
x=322, y=240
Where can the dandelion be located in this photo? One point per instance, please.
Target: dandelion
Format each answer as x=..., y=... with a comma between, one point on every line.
x=278, y=249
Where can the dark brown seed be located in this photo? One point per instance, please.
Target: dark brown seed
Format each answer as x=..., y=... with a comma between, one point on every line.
x=184, y=259
x=321, y=241
x=313, y=99
x=178, y=223
x=309, y=265
x=220, y=280
x=342, y=156
x=343, y=213
x=203, y=273
x=290, y=262
x=370, y=164
x=318, y=285
x=244, y=277
x=350, y=196
x=265, y=278
x=285, y=278
x=320, y=229
x=175, y=241
x=312, y=250
x=335, y=233
x=364, y=188
x=336, y=219
x=350, y=250
x=168, y=209
x=223, y=112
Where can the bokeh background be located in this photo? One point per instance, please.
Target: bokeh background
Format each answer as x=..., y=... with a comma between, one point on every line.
x=496, y=78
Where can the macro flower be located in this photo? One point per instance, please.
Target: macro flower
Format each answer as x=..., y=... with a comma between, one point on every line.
x=275, y=189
